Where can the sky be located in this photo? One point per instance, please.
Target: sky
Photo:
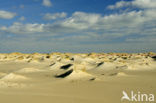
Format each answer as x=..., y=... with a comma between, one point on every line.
x=77, y=26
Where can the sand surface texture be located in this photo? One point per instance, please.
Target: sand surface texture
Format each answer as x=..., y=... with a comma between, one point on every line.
x=75, y=78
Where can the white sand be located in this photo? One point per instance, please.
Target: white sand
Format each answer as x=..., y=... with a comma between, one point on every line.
x=74, y=78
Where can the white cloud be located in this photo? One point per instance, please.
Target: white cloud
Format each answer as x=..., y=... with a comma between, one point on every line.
x=19, y=28
x=6, y=14
x=119, y=4
x=49, y=16
x=81, y=20
x=135, y=3
x=81, y=23
x=22, y=18
x=132, y=30
x=47, y=3
x=144, y=3
x=93, y=27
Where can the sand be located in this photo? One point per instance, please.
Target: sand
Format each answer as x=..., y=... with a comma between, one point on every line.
x=75, y=78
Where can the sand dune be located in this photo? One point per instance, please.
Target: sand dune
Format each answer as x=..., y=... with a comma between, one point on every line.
x=29, y=70
x=86, y=78
x=75, y=75
x=78, y=74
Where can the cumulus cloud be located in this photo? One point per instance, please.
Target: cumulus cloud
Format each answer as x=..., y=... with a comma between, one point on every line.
x=135, y=3
x=81, y=20
x=49, y=16
x=19, y=28
x=144, y=3
x=119, y=4
x=135, y=26
x=47, y=3
x=6, y=14
x=111, y=26
x=116, y=25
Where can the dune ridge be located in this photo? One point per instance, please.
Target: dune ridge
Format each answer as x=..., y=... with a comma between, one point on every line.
x=75, y=66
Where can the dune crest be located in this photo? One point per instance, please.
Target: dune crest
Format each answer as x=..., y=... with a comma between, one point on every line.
x=29, y=70
x=13, y=77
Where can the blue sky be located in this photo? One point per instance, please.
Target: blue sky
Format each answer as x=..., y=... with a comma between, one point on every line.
x=77, y=26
